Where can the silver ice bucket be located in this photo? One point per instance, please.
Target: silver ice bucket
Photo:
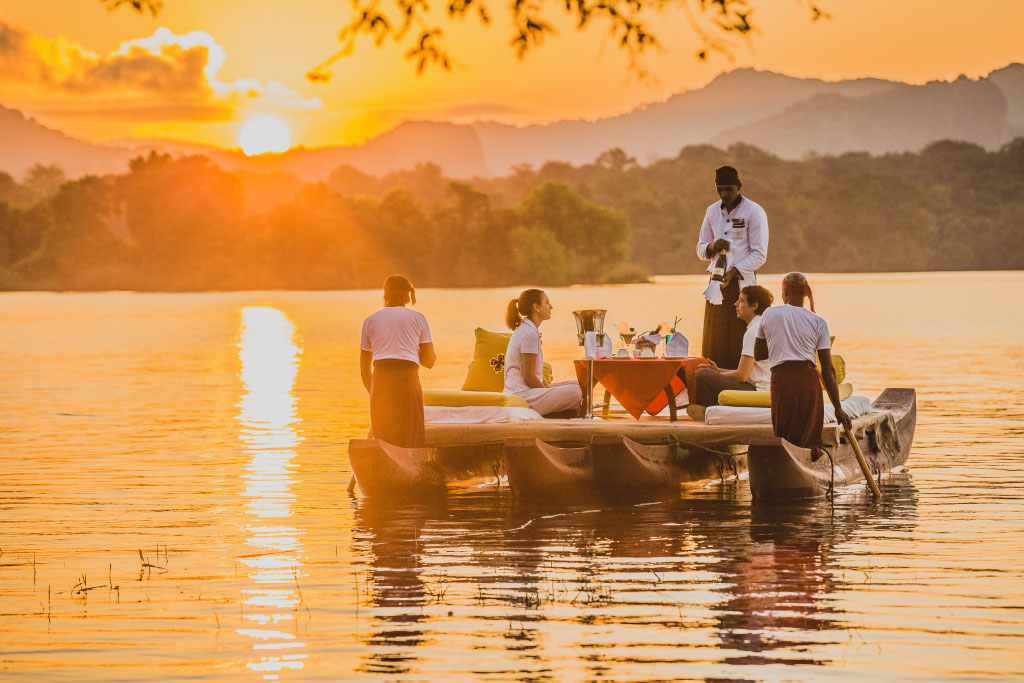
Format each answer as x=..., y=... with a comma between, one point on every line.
x=590, y=320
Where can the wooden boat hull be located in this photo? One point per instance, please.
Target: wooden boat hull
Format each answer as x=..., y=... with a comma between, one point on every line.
x=545, y=472
x=611, y=468
x=382, y=469
x=628, y=470
x=778, y=469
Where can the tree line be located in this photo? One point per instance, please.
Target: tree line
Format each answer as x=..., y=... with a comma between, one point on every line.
x=184, y=224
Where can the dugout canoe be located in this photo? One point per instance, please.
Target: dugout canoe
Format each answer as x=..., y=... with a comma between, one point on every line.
x=385, y=470
x=546, y=472
x=778, y=469
x=629, y=470
x=612, y=468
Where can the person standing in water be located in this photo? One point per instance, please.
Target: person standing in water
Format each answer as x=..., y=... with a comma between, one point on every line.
x=790, y=336
x=524, y=359
x=395, y=342
x=734, y=236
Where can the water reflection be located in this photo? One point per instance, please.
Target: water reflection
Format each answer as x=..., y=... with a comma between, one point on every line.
x=269, y=362
x=391, y=536
x=709, y=578
x=782, y=580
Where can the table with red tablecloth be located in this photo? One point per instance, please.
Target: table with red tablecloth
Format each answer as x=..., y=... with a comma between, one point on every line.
x=643, y=384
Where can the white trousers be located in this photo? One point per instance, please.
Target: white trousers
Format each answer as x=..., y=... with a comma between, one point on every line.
x=554, y=399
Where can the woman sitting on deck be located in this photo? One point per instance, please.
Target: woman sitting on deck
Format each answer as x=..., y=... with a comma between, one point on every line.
x=751, y=375
x=524, y=359
x=396, y=341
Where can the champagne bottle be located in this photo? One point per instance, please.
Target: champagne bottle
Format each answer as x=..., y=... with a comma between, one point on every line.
x=718, y=272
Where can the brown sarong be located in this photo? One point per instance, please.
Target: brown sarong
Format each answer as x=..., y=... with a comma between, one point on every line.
x=798, y=410
x=722, y=339
x=396, y=403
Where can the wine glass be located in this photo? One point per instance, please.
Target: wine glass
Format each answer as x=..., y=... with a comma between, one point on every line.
x=626, y=334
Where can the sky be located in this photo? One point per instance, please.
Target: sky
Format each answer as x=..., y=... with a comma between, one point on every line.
x=200, y=69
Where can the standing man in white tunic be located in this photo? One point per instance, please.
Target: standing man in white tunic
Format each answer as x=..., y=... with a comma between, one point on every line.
x=736, y=229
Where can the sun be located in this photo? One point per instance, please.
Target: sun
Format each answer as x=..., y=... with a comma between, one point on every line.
x=262, y=134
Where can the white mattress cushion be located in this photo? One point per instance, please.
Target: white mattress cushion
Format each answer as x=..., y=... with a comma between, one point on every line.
x=855, y=406
x=478, y=414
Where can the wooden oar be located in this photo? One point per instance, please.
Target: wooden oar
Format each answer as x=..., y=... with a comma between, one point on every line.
x=863, y=464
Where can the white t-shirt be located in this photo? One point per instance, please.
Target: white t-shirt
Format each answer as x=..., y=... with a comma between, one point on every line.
x=760, y=376
x=792, y=333
x=395, y=332
x=525, y=339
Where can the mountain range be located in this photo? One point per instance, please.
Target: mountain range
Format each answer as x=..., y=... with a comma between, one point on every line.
x=790, y=117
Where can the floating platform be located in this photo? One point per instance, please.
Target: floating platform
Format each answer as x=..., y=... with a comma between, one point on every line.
x=629, y=459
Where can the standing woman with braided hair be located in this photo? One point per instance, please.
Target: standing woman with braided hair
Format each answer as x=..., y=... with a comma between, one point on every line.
x=395, y=342
x=524, y=359
x=789, y=338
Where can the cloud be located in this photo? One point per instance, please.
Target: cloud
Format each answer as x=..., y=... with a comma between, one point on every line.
x=162, y=72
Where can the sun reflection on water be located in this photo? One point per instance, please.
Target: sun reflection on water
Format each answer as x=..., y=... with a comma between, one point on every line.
x=267, y=421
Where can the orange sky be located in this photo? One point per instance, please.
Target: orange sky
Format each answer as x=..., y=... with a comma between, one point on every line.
x=251, y=58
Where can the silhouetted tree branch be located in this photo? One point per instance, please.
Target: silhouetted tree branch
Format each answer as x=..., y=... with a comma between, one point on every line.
x=408, y=24
x=152, y=6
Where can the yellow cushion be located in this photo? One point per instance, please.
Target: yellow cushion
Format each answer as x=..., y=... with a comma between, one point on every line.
x=453, y=398
x=487, y=369
x=763, y=399
x=839, y=364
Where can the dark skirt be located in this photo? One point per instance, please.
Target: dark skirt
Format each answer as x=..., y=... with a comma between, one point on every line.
x=722, y=339
x=396, y=403
x=798, y=410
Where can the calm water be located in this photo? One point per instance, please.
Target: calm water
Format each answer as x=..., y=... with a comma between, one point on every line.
x=172, y=506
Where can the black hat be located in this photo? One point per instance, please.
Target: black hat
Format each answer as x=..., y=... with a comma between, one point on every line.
x=727, y=175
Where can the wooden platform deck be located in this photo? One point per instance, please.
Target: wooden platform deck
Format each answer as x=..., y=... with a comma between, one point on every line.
x=580, y=432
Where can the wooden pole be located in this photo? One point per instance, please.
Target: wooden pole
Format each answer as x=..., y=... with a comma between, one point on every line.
x=863, y=464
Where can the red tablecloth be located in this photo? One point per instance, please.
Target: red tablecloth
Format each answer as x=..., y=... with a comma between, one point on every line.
x=638, y=384
x=690, y=371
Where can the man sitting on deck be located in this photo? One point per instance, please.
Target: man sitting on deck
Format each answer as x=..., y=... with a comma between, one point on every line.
x=749, y=375
x=788, y=338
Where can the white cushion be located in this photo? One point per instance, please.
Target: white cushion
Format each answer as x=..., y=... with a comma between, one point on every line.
x=478, y=414
x=855, y=406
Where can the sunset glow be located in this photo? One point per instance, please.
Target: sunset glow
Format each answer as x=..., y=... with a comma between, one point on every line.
x=264, y=134
x=276, y=400
x=195, y=70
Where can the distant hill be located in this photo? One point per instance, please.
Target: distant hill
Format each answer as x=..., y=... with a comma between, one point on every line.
x=455, y=148
x=661, y=129
x=785, y=115
x=26, y=142
x=1010, y=80
x=900, y=119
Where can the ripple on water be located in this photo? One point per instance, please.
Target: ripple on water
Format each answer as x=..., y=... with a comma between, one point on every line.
x=172, y=505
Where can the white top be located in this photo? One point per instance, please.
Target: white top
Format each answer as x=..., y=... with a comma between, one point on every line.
x=792, y=333
x=760, y=376
x=525, y=339
x=746, y=228
x=395, y=332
